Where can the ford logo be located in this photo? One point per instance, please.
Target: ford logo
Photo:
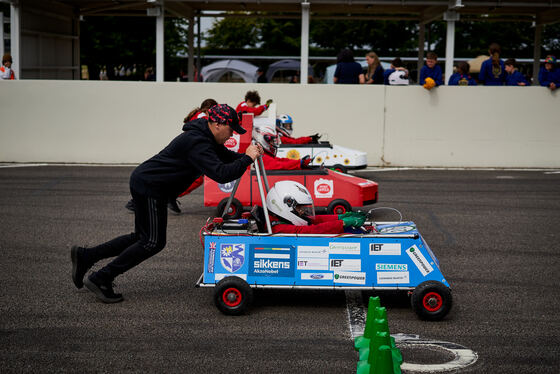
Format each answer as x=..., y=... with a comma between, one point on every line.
x=317, y=276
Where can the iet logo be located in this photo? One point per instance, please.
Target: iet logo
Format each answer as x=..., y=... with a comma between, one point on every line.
x=336, y=263
x=376, y=247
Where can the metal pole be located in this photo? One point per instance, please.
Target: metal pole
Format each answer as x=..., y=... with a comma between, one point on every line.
x=15, y=29
x=263, y=198
x=421, y=42
x=198, y=45
x=160, y=50
x=261, y=164
x=2, y=34
x=450, y=17
x=190, y=41
x=537, y=52
x=303, y=71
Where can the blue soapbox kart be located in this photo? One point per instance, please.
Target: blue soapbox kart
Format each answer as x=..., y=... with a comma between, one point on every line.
x=243, y=254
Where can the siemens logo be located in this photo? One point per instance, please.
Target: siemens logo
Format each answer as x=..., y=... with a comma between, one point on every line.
x=269, y=264
x=391, y=267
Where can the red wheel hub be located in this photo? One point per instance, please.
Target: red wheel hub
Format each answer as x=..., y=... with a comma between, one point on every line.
x=232, y=297
x=339, y=209
x=232, y=211
x=432, y=301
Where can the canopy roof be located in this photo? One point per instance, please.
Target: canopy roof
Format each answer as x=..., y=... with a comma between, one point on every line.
x=541, y=11
x=214, y=71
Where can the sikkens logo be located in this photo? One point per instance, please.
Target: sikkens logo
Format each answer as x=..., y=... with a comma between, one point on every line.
x=270, y=264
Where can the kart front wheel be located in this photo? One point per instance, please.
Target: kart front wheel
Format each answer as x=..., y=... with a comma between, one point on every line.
x=339, y=206
x=234, y=211
x=431, y=300
x=233, y=296
x=340, y=168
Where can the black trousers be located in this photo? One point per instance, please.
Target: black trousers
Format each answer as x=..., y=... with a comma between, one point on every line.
x=148, y=238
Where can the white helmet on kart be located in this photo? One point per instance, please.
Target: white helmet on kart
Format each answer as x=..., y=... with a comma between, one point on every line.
x=284, y=125
x=267, y=137
x=291, y=201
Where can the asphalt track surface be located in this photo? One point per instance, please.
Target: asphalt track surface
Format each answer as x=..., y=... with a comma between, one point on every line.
x=496, y=234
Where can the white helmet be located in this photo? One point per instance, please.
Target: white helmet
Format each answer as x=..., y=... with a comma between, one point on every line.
x=291, y=201
x=267, y=137
x=397, y=78
x=284, y=125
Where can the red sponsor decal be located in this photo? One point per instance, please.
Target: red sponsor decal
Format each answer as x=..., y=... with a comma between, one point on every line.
x=323, y=188
x=230, y=143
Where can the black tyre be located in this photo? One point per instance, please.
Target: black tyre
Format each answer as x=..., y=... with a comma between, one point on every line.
x=235, y=209
x=339, y=168
x=339, y=206
x=233, y=296
x=431, y=300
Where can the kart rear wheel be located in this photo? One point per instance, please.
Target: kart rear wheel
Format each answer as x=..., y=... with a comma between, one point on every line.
x=233, y=296
x=339, y=206
x=235, y=209
x=431, y=300
x=339, y=168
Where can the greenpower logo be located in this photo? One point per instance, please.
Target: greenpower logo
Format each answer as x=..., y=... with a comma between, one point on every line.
x=411, y=249
x=336, y=276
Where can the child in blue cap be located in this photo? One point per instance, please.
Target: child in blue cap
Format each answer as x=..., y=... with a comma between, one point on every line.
x=549, y=76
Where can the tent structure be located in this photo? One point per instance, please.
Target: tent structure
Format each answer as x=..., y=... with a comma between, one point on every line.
x=214, y=71
x=285, y=65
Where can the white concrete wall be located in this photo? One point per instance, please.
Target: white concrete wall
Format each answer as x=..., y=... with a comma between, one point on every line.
x=127, y=122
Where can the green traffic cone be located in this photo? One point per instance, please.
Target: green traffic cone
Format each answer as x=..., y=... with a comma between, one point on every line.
x=363, y=340
x=363, y=367
x=381, y=338
x=383, y=362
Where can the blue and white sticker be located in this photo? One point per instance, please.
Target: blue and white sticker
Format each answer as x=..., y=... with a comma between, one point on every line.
x=393, y=277
x=275, y=261
x=232, y=256
x=419, y=260
x=317, y=276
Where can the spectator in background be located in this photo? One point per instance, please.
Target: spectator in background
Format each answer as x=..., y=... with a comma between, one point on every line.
x=492, y=71
x=261, y=77
x=200, y=112
x=396, y=66
x=514, y=76
x=252, y=104
x=431, y=70
x=374, y=74
x=6, y=72
x=461, y=77
x=347, y=70
x=549, y=75
x=149, y=74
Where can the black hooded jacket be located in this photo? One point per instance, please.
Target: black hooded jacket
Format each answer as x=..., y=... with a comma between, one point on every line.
x=188, y=156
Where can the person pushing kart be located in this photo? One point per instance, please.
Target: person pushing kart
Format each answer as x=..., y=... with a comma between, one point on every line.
x=199, y=150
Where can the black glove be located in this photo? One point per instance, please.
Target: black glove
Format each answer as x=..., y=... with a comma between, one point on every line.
x=315, y=138
x=304, y=162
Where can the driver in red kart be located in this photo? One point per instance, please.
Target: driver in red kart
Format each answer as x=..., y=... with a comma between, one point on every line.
x=267, y=137
x=284, y=127
x=293, y=212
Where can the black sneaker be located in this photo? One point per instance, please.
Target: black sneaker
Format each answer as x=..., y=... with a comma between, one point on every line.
x=174, y=207
x=130, y=205
x=79, y=267
x=103, y=291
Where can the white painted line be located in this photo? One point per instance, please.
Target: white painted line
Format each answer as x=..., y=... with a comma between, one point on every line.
x=356, y=313
x=380, y=169
x=21, y=165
